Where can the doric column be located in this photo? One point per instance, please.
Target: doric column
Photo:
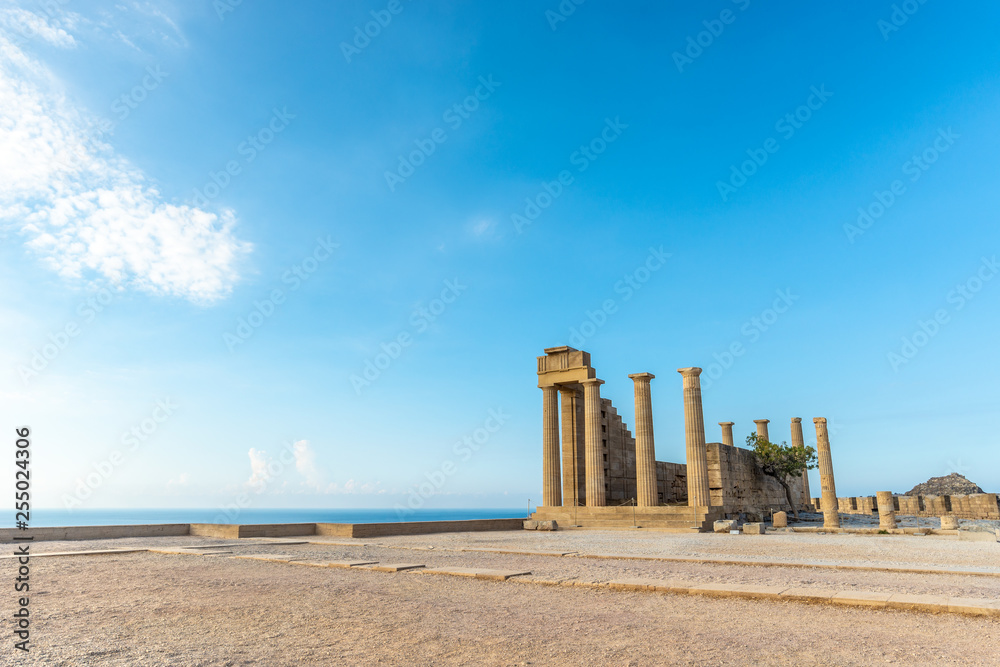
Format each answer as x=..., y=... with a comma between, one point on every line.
x=572, y=450
x=727, y=433
x=551, y=493
x=886, y=510
x=762, y=428
x=645, y=455
x=592, y=435
x=694, y=429
x=799, y=441
x=831, y=516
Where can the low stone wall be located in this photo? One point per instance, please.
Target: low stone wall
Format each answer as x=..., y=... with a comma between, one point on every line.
x=95, y=532
x=974, y=506
x=416, y=527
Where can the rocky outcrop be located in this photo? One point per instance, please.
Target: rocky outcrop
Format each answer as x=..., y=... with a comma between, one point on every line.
x=953, y=484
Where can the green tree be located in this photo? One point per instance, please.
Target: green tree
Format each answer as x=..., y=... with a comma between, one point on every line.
x=782, y=462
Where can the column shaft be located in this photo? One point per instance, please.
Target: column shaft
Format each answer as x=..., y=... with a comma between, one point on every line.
x=886, y=510
x=592, y=434
x=551, y=491
x=645, y=455
x=727, y=433
x=572, y=451
x=762, y=428
x=799, y=441
x=694, y=430
x=831, y=516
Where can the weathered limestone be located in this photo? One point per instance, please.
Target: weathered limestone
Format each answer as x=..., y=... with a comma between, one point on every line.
x=551, y=479
x=725, y=525
x=727, y=433
x=949, y=523
x=754, y=529
x=572, y=445
x=592, y=436
x=886, y=510
x=831, y=516
x=799, y=441
x=645, y=455
x=762, y=428
x=780, y=520
x=694, y=429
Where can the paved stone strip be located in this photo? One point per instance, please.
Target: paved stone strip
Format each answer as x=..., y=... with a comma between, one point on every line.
x=93, y=552
x=476, y=573
x=392, y=567
x=273, y=558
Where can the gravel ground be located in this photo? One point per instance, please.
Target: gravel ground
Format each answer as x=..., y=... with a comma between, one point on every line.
x=154, y=609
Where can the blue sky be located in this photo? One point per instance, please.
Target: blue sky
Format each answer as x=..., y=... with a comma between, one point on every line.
x=216, y=216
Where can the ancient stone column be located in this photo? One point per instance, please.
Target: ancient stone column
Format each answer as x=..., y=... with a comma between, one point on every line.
x=694, y=429
x=727, y=433
x=592, y=435
x=645, y=455
x=572, y=445
x=762, y=428
x=799, y=441
x=551, y=480
x=886, y=510
x=831, y=517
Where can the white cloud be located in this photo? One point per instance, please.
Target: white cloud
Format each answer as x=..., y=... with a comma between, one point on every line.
x=29, y=25
x=305, y=463
x=86, y=212
x=258, y=467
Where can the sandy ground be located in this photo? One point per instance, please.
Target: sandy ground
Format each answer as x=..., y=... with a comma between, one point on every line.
x=155, y=609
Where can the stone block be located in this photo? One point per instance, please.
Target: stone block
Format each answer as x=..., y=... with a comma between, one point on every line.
x=548, y=525
x=780, y=520
x=754, y=529
x=531, y=525
x=949, y=523
x=725, y=525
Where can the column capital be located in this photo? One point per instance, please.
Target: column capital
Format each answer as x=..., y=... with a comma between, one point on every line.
x=592, y=381
x=692, y=371
x=796, y=420
x=819, y=420
x=726, y=423
x=641, y=376
x=761, y=421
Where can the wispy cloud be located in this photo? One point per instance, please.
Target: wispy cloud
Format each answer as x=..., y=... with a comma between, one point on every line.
x=85, y=211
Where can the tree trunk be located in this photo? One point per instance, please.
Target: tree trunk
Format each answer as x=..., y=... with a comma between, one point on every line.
x=788, y=496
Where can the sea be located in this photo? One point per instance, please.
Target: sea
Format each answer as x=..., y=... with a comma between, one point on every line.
x=120, y=517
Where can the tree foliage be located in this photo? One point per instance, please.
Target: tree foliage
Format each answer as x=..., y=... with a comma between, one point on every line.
x=782, y=462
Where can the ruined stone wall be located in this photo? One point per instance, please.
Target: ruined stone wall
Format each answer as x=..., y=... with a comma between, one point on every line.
x=973, y=506
x=671, y=482
x=618, y=449
x=738, y=486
